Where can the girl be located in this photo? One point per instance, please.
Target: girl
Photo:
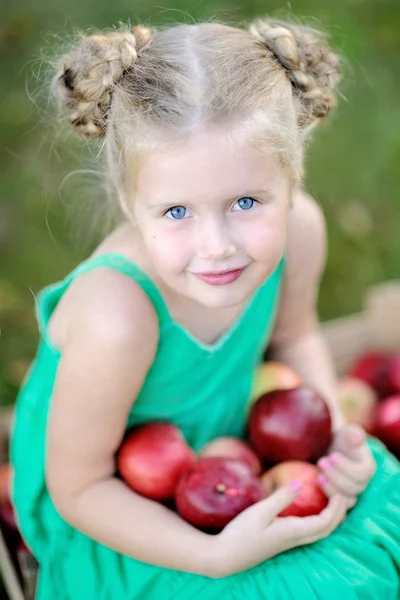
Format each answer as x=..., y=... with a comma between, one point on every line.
x=219, y=255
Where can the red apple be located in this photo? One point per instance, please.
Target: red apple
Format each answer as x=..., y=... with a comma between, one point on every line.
x=381, y=371
x=358, y=402
x=215, y=490
x=232, y=447
x=152, y=458
x=311, y=499
x=387, y=426
x=7, y=516
x=370, y=367
x=273, y=375
x=394, y=372
x=290, y=425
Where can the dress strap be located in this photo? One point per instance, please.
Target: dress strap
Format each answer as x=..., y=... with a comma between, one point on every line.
x=49, y=296
x=124, y=265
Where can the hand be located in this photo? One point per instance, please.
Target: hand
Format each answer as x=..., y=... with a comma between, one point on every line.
x=349, y=465
x=257, y=533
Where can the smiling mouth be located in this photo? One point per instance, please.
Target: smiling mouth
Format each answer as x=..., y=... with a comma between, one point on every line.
x=220, y=277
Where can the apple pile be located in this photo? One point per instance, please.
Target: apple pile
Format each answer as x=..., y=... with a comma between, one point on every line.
x=155, y=461
x=289, y=429
x=369, y=395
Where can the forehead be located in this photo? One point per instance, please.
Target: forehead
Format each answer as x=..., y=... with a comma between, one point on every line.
x=209, y=162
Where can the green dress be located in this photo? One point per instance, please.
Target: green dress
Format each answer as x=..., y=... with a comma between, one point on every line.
x=204, y=389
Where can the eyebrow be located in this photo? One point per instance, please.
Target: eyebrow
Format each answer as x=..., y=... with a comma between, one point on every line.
x=236, y=197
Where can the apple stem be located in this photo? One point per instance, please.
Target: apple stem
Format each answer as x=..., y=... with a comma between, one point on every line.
x=221, y=488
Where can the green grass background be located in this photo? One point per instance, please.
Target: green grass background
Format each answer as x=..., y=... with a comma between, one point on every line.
x=352, y=164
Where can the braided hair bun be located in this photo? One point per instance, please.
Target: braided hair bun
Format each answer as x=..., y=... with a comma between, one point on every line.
x=310, y=65
x=88, y=74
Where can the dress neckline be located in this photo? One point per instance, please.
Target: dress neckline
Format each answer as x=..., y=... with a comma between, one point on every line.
x=162, y=307
x=49, y=296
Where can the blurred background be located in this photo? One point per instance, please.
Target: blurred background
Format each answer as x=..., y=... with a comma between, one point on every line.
x=352, y=165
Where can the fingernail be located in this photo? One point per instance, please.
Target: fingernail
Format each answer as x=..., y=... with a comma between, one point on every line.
x=324, y=464
x=296, y=485
x=322, y=480
x=334, y=459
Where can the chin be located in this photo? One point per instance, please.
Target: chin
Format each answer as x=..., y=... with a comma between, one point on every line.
x=219, y=302
x=222, y=296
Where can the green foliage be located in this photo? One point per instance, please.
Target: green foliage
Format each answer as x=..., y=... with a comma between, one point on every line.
x=353, y=163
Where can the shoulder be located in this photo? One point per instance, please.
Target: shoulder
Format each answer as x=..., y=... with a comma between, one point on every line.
x=113, y=303
x=306, y=242
x=305, y=260
x=106, y=301
x=108, y=307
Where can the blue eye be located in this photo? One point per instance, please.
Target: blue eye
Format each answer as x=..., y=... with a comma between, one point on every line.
x=245, y=203
x=177, y=212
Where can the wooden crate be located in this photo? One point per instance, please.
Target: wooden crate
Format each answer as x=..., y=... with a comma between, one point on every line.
x=377, y=327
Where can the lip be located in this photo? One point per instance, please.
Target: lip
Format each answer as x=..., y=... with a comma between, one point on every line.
x=220, y=277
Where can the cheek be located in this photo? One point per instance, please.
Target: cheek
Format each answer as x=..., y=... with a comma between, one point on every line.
x=266, y=236
x=170, y=250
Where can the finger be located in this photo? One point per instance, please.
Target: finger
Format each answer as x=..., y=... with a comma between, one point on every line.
x=331, y=490
x=315, y=523
x=327, y=487
x=265, y=510
x=281, y=499
x=342, y=482
x=361, y=471
x=350, y=441
x=305, y=530
x=343, y=485
x=338, y=462
x=329, y=519
x=358, y=472
x=351, y=501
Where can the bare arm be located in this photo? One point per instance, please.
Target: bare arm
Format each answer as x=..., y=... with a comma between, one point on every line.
x=297, y=339
x=104, y=362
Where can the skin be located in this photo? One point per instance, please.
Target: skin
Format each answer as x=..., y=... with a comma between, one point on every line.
x=107, y=331
x=215, y=233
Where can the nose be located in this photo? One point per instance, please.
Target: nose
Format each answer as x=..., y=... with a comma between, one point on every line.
x=215, y=241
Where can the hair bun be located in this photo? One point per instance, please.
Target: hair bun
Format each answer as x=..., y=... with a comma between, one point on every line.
x=311, y=66
x=88, y=74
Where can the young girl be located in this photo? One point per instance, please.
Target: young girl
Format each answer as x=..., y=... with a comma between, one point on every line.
x=219, y=256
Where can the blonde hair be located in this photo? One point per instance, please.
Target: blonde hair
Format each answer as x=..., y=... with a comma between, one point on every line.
x=139, y=88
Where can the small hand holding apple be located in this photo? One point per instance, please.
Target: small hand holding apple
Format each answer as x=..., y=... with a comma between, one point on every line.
x=349, y=466
x=258, y=533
